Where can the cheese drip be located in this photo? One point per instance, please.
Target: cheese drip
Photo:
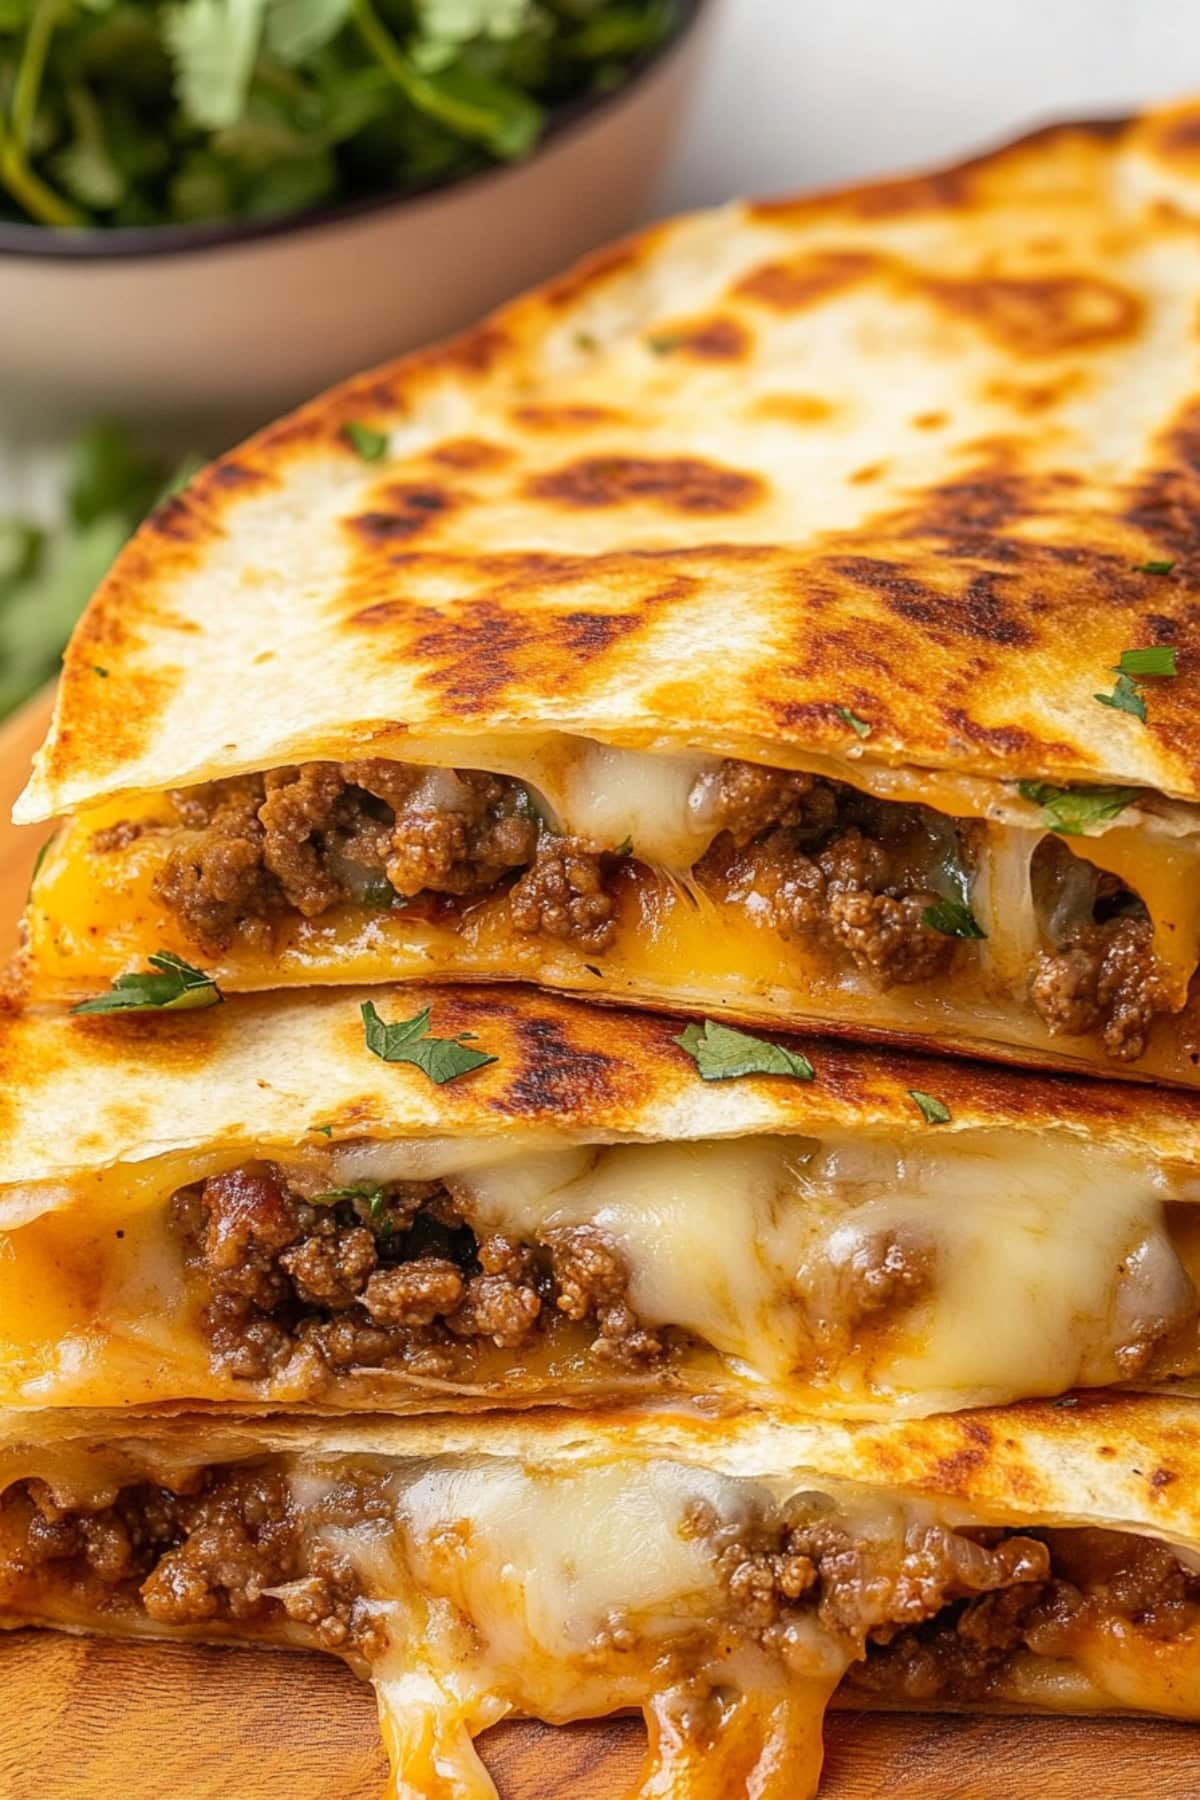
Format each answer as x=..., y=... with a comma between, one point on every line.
x=564, y=1596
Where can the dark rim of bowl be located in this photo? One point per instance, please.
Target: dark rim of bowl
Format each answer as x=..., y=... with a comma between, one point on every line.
x=120, y=242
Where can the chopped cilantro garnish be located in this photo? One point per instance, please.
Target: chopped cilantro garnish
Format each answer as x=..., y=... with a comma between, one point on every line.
x=1070, y=810
x=175, y=986
x=663, y=342
x=1124, y=698
x=953, y=919
x=1156, y=659
x=625, y=847
x=932, y=1110
x=97, y=670
x=369, y=443
x=857, y=725
x=39, y=859
x=374, y=1197
x=1153, y=568
x=408, y=1041
x=721, y=1053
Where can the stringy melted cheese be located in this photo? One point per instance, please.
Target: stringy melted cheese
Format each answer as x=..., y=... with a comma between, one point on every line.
x=569, y=1594
x=1037, y=1260
x=94, y=915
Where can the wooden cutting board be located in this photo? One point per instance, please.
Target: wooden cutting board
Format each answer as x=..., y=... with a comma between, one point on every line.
x=88, y=1720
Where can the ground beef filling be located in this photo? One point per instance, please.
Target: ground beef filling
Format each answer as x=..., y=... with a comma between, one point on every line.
x=394, y=1278
x=933, y=1615
x=233, y=1552
x=376, y=834
x=832, y=866
x=1092, y=1578
x=1099, y=971
x=1107, y=979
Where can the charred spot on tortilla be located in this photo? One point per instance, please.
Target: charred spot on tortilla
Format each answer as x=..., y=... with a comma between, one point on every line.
x=683, y=484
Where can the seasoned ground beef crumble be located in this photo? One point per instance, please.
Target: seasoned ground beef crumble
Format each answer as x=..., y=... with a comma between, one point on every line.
x=233, y=1550
x=395, y=1279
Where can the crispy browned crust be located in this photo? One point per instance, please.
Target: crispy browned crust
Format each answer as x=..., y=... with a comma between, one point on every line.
x=81, y=1094
x=897, y=448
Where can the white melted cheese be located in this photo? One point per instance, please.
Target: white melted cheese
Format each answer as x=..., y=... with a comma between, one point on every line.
x=553, y=1557
x=610, y=795
x=1043, y=1264
x=560, y=1592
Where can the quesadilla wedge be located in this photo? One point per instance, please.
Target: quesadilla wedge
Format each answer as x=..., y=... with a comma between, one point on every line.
x=792, y=611
x=250, y=1204
x=726, y=1579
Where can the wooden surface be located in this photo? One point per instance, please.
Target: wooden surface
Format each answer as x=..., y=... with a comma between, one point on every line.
x=84, y=1720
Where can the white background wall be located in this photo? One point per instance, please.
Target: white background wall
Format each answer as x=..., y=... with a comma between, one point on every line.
x=799, y=92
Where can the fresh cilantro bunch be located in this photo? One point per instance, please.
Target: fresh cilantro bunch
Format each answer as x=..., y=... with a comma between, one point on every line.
x=46, y=577
x=148, y=112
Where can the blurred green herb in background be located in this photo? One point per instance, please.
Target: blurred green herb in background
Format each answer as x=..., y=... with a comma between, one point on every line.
x=47, y=576
x=139, y=112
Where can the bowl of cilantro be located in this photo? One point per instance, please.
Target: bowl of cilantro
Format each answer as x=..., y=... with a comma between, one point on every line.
x=210, y=208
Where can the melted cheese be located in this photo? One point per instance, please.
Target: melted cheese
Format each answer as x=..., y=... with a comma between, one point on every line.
x=613, y=795
x=586, y=1583
x=1029, y=1267
x=1036, y=1276
x=564, y=1595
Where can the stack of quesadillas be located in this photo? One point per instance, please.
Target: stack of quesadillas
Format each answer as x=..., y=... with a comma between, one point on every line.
x=789, y=620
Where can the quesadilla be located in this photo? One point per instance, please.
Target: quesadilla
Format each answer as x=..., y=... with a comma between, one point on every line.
x=268, y=1203
x=791, y=611
x=726, y=1580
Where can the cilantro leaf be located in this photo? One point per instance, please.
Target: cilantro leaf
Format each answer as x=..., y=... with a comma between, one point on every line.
x=721, y=1054
x=1156, y=659
x=38, y=612
x=213, y=45
x=408, y=1041
x=1153, y=568
x=175, y=986
x=123, y=114
x=1070, y=810
x=662, y=343
x=857, y=725
x=108, y=472
x=297, y=29
x=369, y=443
x=932, y=1110
x=625, y=847
x=374, y=1197
x=953, y=918
x=86, y=166
x=1124, y=698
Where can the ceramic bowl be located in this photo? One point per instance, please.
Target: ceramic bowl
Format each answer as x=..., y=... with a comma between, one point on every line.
x=200, y=331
